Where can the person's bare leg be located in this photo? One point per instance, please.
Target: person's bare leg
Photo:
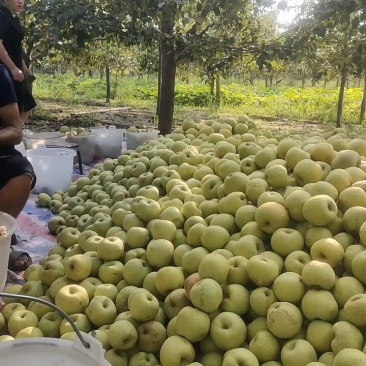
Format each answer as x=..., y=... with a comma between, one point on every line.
x=14, y=195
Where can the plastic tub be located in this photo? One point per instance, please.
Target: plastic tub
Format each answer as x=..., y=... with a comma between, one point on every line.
x=11, y=225
x=53, y=168
x=86, y=146
x=136, y=139
x=108, y=141
x=86, y=350
x=32, y=140
x=48, y=351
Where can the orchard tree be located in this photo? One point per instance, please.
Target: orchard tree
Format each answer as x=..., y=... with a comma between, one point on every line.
x=340, y=25
x=213, y=32
x=183, y=30
x=111, y=58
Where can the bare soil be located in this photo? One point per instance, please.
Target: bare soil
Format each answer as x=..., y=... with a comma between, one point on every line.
x=50, y=116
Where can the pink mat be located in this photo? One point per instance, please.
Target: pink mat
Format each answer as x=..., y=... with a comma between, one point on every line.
x=32, y=233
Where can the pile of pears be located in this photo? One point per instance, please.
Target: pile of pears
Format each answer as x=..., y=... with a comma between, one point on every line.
x=249, y=248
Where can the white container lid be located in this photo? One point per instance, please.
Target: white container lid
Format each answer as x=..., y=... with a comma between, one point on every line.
x=51, y=351
x=43, y=135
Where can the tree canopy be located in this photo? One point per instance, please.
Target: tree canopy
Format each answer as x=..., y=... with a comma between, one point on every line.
x=327, y=38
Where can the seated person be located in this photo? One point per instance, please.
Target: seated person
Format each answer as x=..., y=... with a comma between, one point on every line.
x=17, y=177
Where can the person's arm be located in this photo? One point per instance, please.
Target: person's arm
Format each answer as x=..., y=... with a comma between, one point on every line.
x=12, y=131
x=25, y=69
x=4, y=57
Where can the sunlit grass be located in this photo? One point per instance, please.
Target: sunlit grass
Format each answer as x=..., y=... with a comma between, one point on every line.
x=312, y=103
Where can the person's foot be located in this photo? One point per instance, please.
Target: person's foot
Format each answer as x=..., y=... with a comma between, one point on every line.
x=19, y=261
x=14, y=279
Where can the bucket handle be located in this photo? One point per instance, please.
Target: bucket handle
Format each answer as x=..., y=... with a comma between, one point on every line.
x=54, y=307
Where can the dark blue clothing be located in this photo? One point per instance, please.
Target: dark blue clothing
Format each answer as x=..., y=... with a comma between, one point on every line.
x=12, y=33
x=7, y=96
x=12, y=163
x=7, y=90
x=15, y=166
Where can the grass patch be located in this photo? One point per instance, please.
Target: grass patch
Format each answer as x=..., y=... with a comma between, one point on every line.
x=294, y=103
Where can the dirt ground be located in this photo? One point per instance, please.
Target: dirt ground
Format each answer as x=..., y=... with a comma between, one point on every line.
x=50, y=116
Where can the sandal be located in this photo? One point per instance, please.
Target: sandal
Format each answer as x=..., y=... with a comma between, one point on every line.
x=14, y=240
x=19, y=261
x=14, y=278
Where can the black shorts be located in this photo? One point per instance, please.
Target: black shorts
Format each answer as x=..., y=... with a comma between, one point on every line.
x=7, y=90
x=15, y=92
x=26, y=101
x=15, y=166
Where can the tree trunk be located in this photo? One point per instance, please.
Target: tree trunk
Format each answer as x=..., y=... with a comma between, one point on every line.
x=212, y=86
x=115, y=85
x=90, y=73
x=27, y=55
x=266, y=81
x=218, y=91
x=303, y=82
x=159, y=83
x=28, y=82
x=108, y=83
x=337, y=83
x=168, y=71
x=363, y=104
x=341, y=94
x=271, y=81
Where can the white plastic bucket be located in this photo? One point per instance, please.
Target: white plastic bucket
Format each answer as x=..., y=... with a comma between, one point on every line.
x=136, y=139
x=49, y=351
x=53, y=168
x=108, y=141
x=11, y=225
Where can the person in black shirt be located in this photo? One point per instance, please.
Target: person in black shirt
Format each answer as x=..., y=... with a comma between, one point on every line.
x=17, y=177
x=11, y=36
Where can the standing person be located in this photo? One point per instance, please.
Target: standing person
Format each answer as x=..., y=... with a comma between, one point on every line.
x=17, y=177
x=12, y=33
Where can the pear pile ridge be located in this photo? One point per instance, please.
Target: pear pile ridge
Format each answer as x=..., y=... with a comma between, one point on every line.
x=220, y=244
